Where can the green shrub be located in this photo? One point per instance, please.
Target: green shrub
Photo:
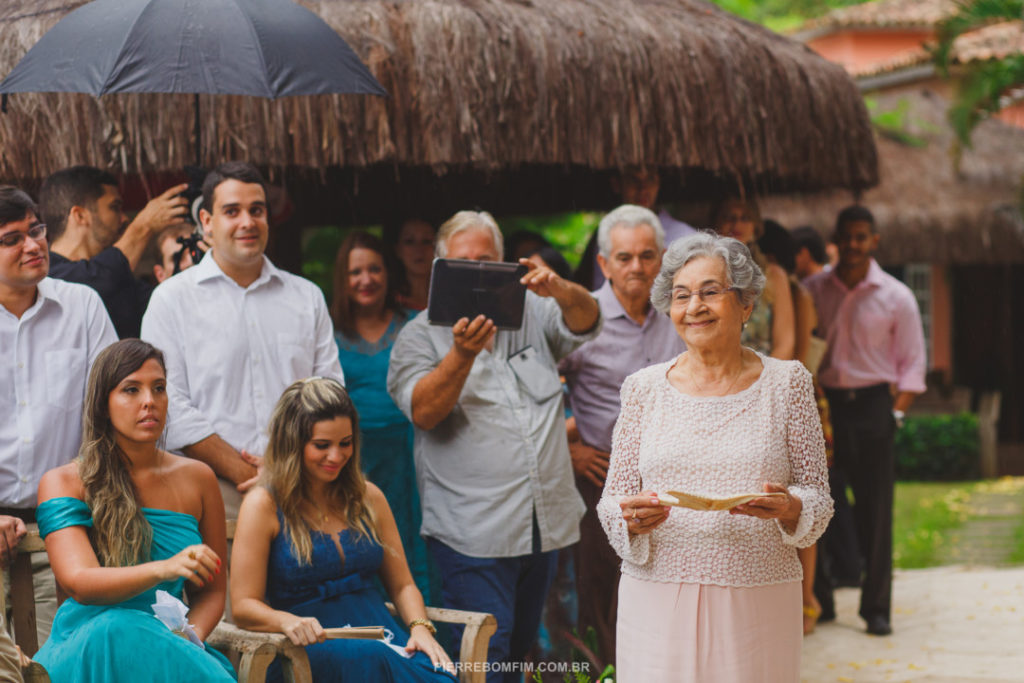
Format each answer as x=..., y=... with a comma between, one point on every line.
x=938, y=448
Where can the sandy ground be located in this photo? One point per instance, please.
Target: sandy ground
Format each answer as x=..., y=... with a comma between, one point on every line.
x=949, y=624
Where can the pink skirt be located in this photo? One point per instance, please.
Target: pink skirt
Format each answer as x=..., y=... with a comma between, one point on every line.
x=694, y=633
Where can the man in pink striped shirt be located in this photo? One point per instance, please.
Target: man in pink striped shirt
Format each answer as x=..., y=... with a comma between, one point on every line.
x=873, y=369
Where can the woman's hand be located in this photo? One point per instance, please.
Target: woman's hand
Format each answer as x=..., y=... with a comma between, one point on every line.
x=196, y=563
x=421, y=639
x=643, y=512
x=786, y=508
x=303, y=630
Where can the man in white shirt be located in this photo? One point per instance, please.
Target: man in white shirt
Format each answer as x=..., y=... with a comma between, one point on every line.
x=235, y=332
x=50, y=333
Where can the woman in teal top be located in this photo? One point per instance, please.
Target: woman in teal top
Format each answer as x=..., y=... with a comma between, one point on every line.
x=367, y=320
x=124, y=520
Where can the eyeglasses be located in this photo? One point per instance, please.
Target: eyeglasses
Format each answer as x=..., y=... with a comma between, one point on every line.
x=14, y=239
x=707, y=295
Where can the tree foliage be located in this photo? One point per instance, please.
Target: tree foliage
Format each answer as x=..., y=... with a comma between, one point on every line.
x=780, y=15
x=984, y=85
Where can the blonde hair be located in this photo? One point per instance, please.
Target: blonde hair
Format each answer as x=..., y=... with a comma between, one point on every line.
x=300, y=407
x=121, y=534
x=468, y=220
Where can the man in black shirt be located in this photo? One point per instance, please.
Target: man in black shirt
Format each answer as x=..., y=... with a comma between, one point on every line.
x=84, y=214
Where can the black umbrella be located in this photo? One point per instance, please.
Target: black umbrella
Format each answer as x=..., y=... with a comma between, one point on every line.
x=265, y=48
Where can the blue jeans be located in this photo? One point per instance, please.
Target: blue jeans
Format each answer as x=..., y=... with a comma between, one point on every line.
x=513, y=589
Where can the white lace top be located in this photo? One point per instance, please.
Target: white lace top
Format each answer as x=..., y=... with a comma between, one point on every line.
x=717, y=446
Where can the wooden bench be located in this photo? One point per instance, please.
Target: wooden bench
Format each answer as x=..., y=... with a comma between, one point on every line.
x=251, y=652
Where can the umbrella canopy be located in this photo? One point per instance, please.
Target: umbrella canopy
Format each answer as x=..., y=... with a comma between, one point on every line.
x=266, y=48
x=542, y=98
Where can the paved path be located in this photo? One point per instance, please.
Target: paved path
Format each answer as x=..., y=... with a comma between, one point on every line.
x=950, y=624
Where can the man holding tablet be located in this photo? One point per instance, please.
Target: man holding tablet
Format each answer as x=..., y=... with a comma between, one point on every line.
x=492, y=461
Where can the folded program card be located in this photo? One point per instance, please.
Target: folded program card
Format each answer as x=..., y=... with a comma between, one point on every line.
x=697, y=502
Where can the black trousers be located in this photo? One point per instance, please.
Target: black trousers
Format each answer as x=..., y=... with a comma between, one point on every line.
x=863, y=429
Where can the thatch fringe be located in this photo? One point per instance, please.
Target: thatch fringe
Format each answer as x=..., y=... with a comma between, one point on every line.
x=490, y=84
x=927, y=209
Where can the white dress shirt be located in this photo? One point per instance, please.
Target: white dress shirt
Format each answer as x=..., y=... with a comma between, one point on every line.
x=47, y=356
x=232, y=351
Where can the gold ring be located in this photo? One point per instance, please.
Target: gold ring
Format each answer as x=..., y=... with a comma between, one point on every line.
x=634, y=513
x=191, y=554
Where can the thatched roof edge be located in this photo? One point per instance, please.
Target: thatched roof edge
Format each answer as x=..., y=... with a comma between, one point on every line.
x=486, y=84
x=928, y=209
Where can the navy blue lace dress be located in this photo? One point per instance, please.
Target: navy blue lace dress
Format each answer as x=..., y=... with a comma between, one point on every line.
x=343, y=594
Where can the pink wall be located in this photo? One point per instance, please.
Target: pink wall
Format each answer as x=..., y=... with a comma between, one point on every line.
x=859, y=50
x=1013, y=115
x=942, y=322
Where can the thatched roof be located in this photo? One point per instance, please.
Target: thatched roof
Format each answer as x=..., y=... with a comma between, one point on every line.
x=928, y=212
x=485, y=85
x=880, y=14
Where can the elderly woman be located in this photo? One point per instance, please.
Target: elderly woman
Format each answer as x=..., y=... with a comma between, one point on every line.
x=705, y=595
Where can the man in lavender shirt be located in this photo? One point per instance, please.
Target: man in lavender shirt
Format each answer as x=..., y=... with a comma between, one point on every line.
x=631, y=242
x=873, y=369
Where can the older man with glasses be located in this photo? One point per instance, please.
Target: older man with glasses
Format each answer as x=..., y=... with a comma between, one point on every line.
x=50, y=332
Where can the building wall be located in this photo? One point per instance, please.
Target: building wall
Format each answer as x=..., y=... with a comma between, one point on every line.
x=1013, y=115
x=858, y=50
x=942, y=322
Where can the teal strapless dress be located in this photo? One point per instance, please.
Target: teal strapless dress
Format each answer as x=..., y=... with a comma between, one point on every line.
x=125, y=642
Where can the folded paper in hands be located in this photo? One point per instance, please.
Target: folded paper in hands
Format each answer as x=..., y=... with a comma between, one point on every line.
x=705, y=503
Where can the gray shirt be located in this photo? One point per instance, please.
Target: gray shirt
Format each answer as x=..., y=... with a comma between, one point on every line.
x=596, y=370
x=501, y=454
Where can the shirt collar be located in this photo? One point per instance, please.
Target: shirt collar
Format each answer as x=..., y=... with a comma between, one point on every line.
x=611, y=307
x=208, y=269
x=874, y=278
x=47, y=290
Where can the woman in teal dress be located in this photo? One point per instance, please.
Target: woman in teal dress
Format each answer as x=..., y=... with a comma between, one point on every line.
x=311, y=539
x=367, y=320
x=124, y=520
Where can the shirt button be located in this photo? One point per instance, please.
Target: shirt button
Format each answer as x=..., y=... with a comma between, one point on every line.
x=22, y=403
x=27, y=439
x=24, y=480
x=21, y=364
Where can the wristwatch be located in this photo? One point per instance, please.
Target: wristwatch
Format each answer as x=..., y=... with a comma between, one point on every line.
x=898, y=416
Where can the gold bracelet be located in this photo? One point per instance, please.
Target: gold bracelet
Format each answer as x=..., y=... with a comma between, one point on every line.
x=424, y=622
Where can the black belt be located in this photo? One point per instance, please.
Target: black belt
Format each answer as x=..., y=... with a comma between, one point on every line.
x=27, y=515
x=852, y=395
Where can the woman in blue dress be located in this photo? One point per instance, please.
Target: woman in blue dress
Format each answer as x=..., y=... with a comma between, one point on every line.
x=124, y=520
x=310, y=541
x=367, y=320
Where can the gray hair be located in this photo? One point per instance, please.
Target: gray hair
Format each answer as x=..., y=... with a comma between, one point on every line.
x=741, y=271
x=468, y=220
x=629, y=216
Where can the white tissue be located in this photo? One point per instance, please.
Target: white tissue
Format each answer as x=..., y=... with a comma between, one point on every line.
x=173, y=612
x=388, y=637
